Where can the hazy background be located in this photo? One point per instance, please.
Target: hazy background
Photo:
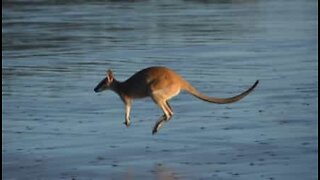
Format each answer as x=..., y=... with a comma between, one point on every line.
x=55, y=52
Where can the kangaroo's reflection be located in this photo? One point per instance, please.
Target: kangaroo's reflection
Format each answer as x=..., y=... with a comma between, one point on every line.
x=162, y=172
x=159, y=171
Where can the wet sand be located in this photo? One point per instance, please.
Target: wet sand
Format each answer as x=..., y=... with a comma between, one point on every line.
x=55, y=127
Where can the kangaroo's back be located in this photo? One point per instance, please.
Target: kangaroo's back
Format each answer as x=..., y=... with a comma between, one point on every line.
x=152, y=78
x=154, y=73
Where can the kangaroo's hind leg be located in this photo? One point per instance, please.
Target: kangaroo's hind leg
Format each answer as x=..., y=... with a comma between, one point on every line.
x=166, y=116
x=169, y=109
x=160, y=94
x=158, y=125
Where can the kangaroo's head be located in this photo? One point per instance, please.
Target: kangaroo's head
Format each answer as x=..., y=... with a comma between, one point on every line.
x=105, y=83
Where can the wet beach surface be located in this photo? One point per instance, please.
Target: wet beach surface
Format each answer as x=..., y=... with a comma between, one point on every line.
x=55, y=52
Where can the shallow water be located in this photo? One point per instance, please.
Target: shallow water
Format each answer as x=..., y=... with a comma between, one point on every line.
x=55, y=52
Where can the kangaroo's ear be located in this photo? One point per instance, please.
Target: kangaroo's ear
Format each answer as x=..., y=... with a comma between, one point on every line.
x=109, y=75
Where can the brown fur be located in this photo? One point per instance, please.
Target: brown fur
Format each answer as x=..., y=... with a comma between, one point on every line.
x=161, y=84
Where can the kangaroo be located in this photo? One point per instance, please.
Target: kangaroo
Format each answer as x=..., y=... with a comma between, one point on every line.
x=161, y=84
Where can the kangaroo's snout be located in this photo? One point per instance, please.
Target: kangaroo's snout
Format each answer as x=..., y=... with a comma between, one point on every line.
x=96, y=90
x=100, y=87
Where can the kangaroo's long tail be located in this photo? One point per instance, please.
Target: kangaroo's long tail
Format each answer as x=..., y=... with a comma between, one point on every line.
x=189, y=88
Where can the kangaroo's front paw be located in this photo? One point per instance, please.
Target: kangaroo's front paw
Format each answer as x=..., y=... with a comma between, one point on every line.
x=127, y=123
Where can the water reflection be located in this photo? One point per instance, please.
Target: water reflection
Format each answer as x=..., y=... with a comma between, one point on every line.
x=37, y=28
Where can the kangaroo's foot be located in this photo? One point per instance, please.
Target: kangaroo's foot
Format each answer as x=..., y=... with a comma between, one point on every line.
x=160, y=123
x=127, y=123
x=157, y=126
